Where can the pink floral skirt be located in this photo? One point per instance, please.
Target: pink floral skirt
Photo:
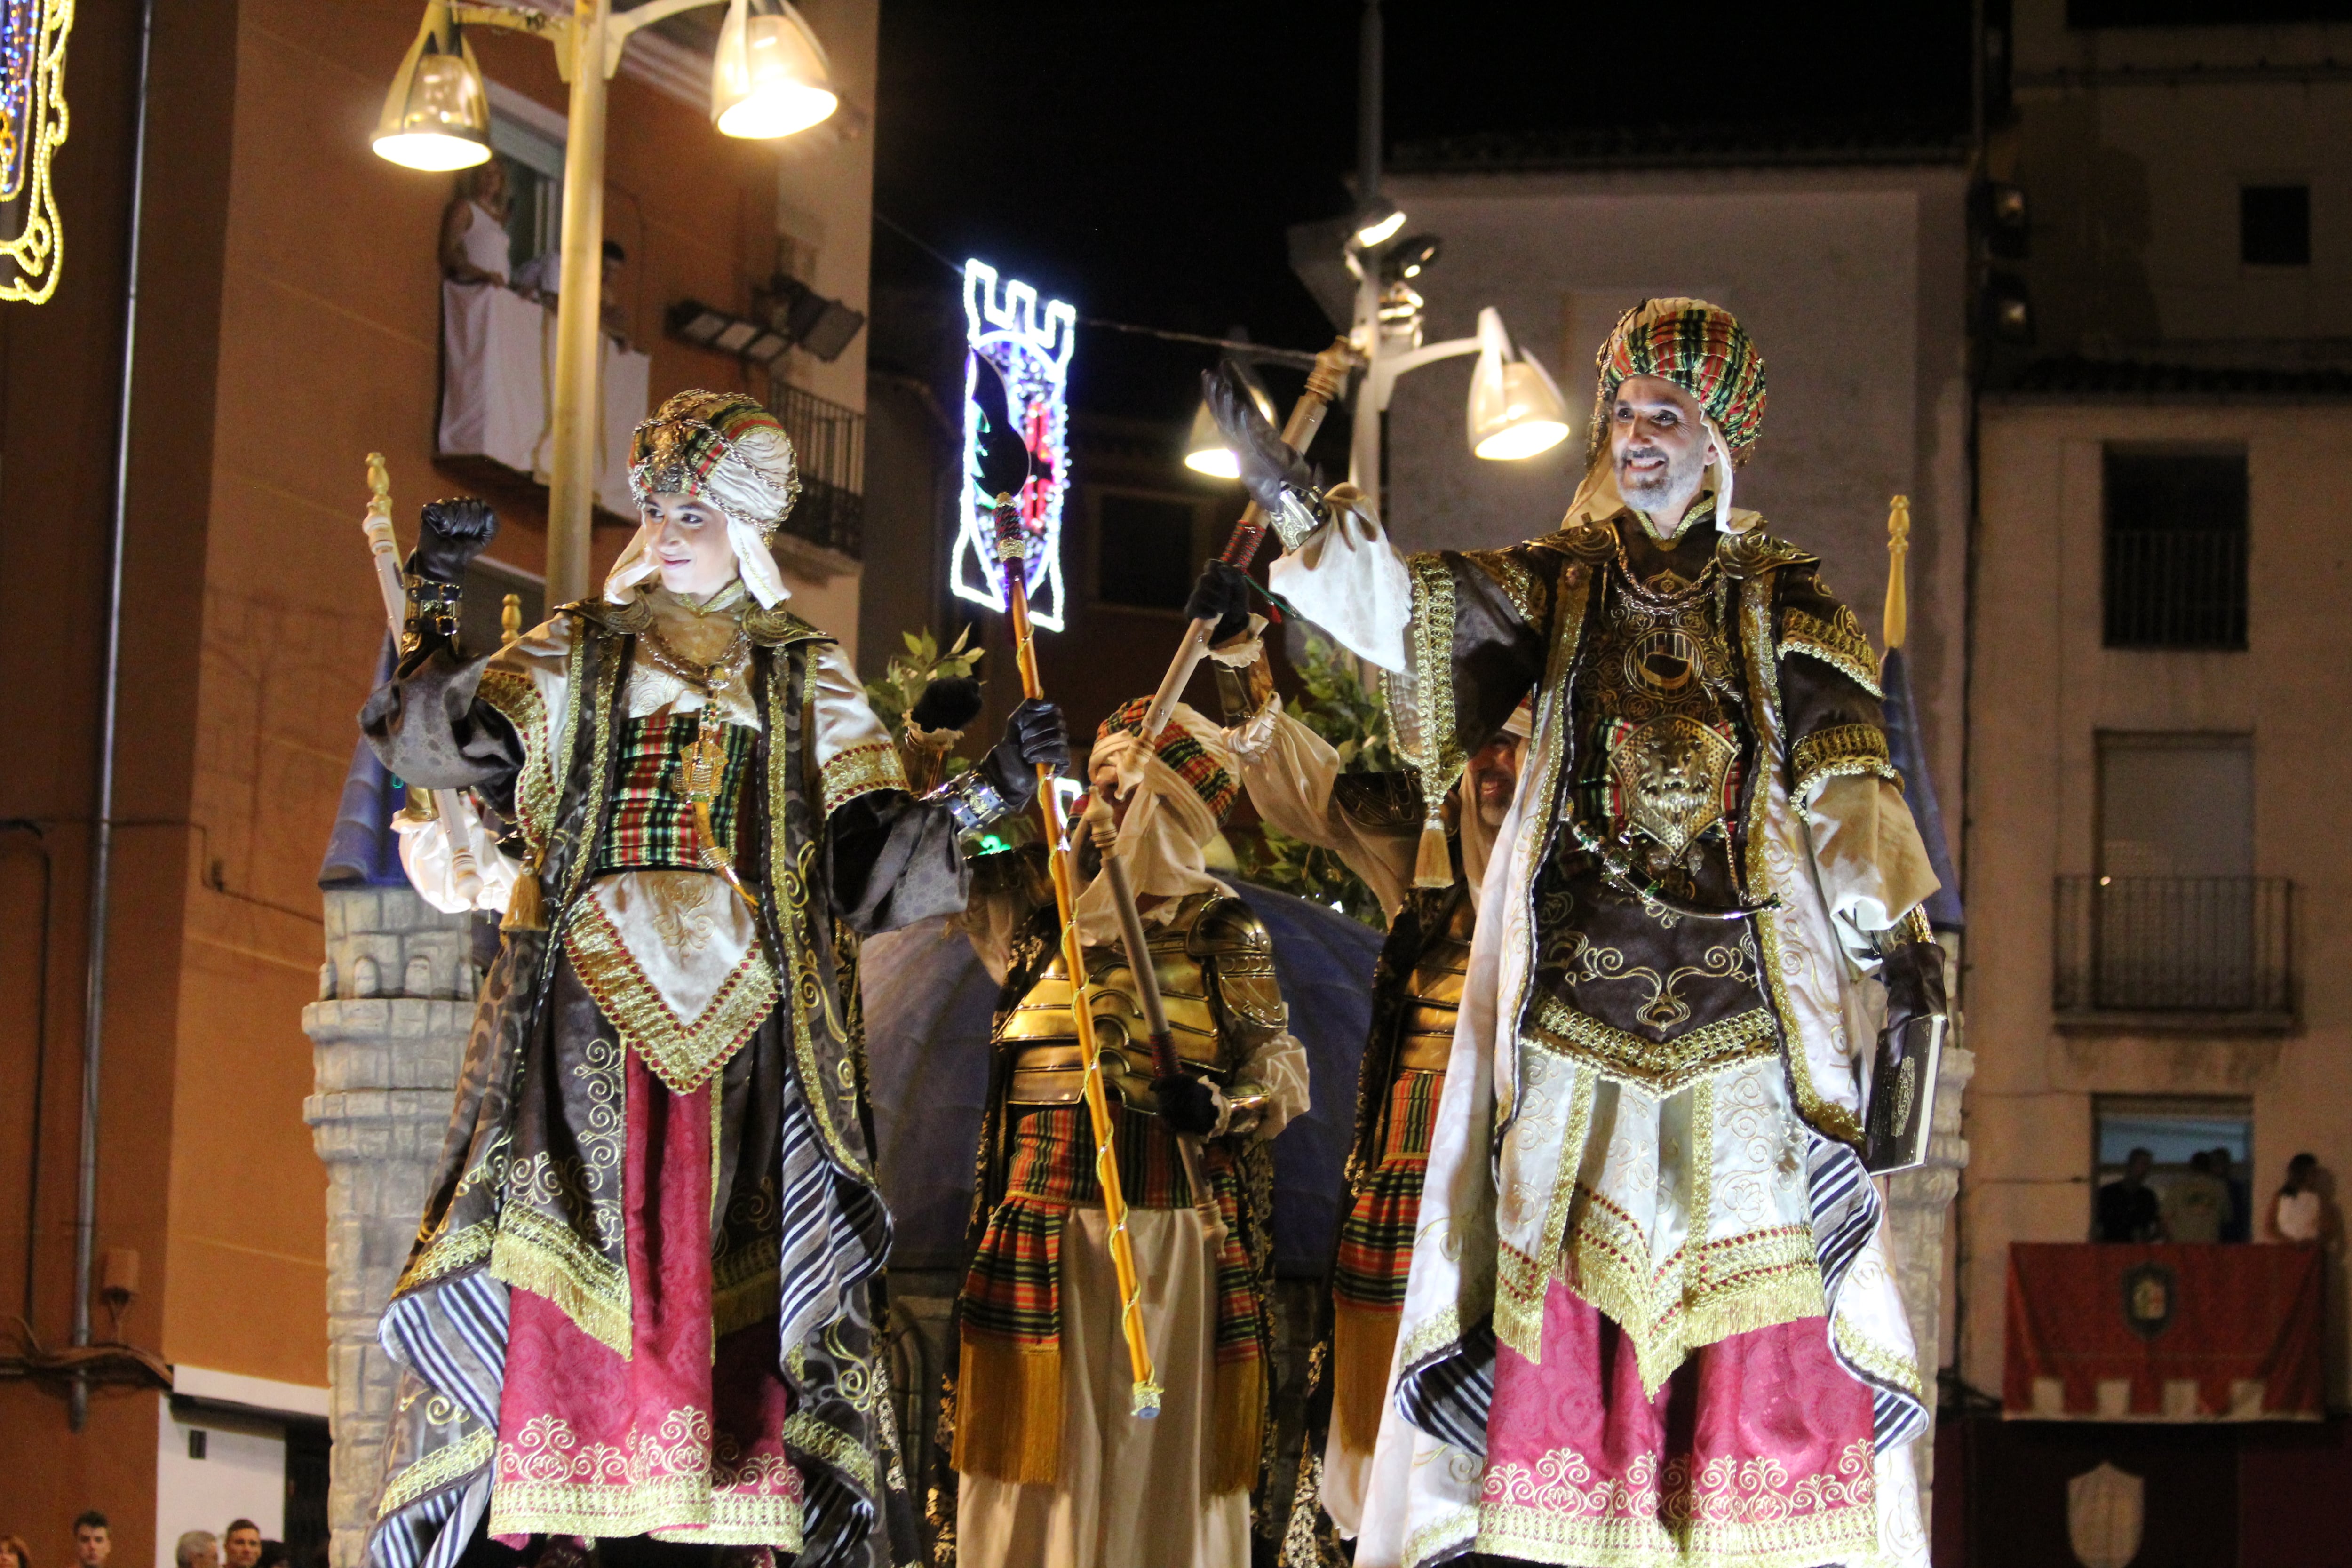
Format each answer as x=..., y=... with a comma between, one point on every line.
x=682, y=1439
x=1756, y=1450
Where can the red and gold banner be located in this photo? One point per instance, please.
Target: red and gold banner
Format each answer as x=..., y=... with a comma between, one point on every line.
x=2163, y=1332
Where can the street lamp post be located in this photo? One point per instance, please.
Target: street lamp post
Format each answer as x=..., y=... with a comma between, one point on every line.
x=769, y=79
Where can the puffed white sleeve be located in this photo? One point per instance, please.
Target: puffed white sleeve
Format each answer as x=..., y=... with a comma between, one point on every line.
x=1346, y=577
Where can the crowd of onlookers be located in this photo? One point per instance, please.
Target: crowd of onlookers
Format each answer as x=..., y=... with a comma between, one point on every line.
x=2210, y=1202
x=239, y=1546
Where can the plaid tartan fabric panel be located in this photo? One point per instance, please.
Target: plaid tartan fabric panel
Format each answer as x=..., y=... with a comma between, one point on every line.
x=1376, y=1237
x=1012, y=1288
x=652, y=823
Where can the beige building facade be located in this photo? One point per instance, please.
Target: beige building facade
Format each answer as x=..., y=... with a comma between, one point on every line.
x=2160, y=667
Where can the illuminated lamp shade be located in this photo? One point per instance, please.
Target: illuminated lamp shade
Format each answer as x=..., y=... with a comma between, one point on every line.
x=1205, y=451
x=1516, y=411
x=437, y=115
x=770, y=76
x=1376, y=220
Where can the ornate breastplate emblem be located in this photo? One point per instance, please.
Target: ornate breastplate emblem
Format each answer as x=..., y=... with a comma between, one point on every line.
x=1663, y=699
x=1670, y=775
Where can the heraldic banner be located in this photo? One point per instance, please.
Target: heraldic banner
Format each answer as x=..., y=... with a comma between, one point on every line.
x=2163, y=1332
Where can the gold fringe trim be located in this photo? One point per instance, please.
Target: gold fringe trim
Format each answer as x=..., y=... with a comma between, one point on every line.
x=1432, y=867
x=1009, y=1411
x=747, y=1301
x=1838, y=642
x=553, y=1265
x=1236, y=1426
x=1363, y=1344
x=683, y=1055
x=436, y=1470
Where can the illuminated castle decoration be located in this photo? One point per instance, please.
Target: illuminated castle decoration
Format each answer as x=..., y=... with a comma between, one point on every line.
x=32, y=123
x=1030, y=347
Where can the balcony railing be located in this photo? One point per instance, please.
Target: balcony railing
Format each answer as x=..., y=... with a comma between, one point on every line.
x=829, y=443
x=2176, y=588
x=2179, y=951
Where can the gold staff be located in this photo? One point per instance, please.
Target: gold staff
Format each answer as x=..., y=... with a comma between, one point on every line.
x=1013, y=554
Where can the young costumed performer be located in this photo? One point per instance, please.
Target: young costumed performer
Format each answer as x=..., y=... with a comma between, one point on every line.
x=640, y=1310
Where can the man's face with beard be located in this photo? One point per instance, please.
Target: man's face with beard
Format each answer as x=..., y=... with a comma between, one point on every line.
x=1493, y=773
x=1657, y=438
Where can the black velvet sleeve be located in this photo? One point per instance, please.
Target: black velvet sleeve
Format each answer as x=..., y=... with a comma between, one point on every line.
x=1832, y=708
x=428, y=726
x=1502, y=629
x=895, y=861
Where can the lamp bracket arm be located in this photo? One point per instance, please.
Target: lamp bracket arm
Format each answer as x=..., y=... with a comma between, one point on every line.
x=622, y=24
x=1388, y=367
x=555, y=29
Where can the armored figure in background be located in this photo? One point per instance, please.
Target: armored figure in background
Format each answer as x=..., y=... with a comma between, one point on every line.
x=1053, y=1466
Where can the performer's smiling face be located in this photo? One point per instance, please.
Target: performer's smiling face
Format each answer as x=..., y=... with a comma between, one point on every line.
x=1494, y=772
x=1657, y=437
x=690, y=544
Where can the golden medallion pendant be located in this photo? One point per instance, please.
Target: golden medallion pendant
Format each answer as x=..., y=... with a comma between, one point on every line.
x=1669, y=772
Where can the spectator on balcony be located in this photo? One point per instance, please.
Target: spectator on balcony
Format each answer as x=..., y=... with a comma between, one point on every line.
x=2197, y=1204
x=2128, y=1209
x=474, y=244
x=542, y=276
x=2300, y=1214
x=2240, y=1225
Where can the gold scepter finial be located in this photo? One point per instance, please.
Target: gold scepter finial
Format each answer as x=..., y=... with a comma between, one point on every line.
x=1898, y=552
x=379, y=486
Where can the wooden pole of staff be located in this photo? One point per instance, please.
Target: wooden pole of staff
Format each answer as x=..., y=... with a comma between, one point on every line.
x=1323, y=385
x=1012, y=555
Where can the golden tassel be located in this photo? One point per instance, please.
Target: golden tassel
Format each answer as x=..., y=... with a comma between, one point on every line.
x=1236, y=1426
x=1432, y=867
x=1009, y=1411
x=526, y=909
x=1363, y=1342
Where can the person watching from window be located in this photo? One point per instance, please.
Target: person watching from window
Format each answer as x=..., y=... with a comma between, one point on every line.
x=2128, y=1209
x=475, y=247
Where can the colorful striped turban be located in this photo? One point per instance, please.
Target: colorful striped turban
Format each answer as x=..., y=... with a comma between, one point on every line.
x=1184, y=748
x=720, y=447
x=1700, y=348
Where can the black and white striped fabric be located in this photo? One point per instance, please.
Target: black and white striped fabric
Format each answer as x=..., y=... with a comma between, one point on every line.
x=1450, y=1394
x=1845, y=1212
x=451, y=1339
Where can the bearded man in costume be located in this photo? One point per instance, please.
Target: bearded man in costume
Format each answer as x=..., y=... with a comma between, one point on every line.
x=642, y=1300
x=1054, y=1468
x=1651, y=1317
x=1372, y=822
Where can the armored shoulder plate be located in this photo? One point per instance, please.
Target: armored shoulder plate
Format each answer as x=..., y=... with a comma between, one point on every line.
x=775, y=627
x=1379, y=800
x=1228, y=936
x=1746, y=553
x=625, y=620
x=1582, y=538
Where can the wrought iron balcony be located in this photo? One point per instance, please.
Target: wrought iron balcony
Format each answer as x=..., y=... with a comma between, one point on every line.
x=829, y=444
x=2175, y=953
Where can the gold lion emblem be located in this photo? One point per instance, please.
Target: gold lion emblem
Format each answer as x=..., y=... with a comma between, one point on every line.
x=1670, y=772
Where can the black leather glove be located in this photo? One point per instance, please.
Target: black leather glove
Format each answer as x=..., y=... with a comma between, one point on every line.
x=1222, y=596
x=1913, y=973
x=1276, y=476
x=950, y=702
x=1186, y=1104
x=449, y=535
x=1035, y=734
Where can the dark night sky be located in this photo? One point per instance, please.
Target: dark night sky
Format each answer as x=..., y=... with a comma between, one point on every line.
x=1143, y=161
